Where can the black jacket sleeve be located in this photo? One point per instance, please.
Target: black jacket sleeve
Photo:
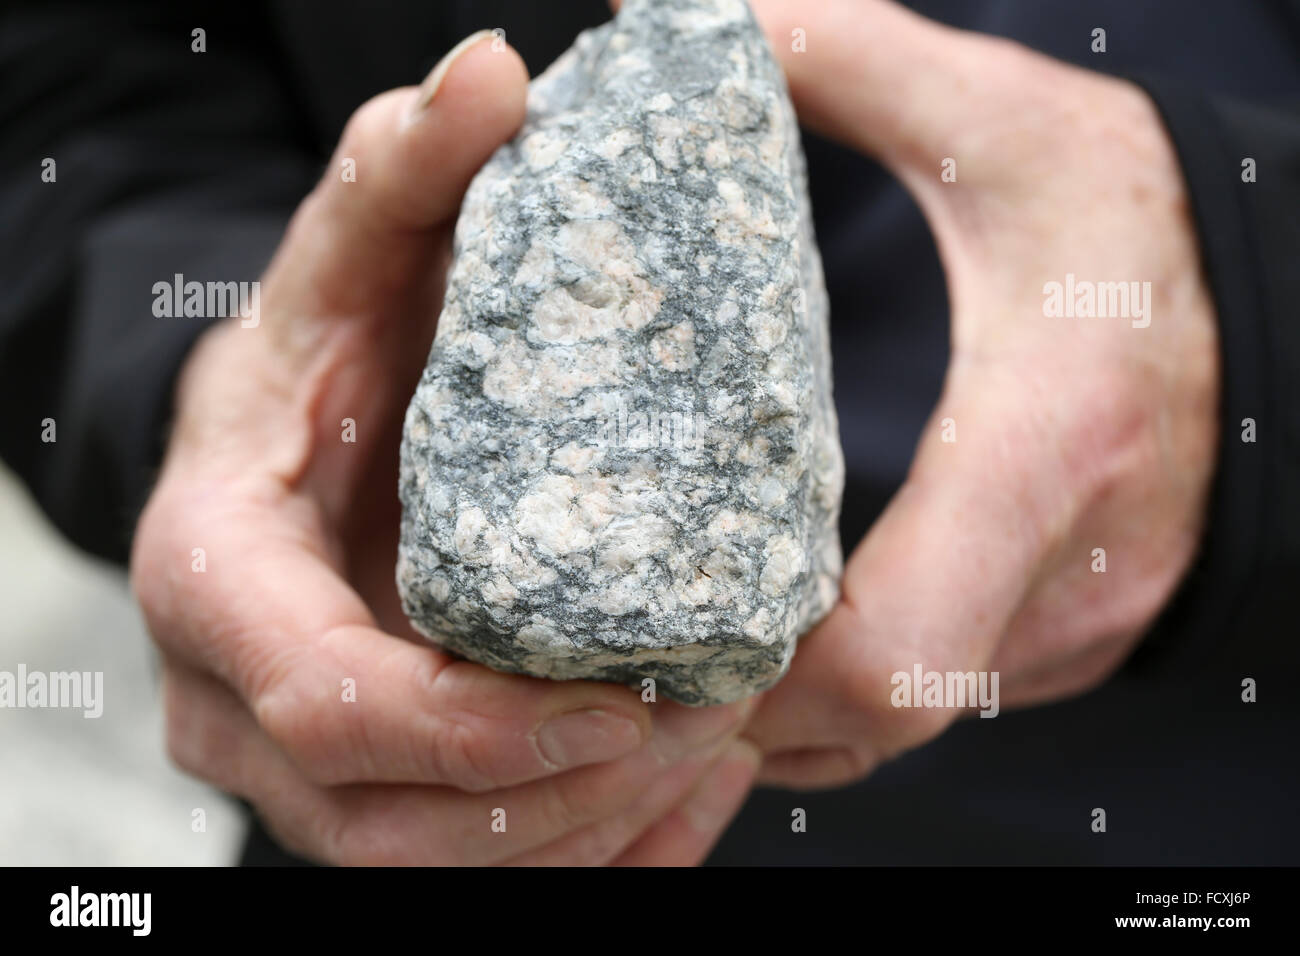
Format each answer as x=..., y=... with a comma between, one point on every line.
x=165, y=161
x=1241, y=162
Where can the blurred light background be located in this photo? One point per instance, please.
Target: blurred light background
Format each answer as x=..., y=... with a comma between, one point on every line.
x=89, y=792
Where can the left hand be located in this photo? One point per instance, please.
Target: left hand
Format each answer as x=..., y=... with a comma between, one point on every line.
x=291, y=675
x=1072, y=434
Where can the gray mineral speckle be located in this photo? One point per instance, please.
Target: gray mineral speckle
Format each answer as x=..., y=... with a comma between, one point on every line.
x=622, y=459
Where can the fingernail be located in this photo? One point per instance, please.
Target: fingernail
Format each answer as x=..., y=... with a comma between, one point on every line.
x=429, y=88
x=588, y=736
x=679, y=730
x=721, y=791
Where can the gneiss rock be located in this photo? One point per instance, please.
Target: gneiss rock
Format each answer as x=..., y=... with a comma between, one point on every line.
x=622, y=460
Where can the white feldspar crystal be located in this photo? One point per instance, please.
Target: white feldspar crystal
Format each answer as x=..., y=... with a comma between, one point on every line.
x=622, y=459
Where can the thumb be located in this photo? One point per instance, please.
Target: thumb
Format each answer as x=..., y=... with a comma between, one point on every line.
x=877, y=77
x=934, y=585
x=395, y=183
x=882, y=79
x=351, y=297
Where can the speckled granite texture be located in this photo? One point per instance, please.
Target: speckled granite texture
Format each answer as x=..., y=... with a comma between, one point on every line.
x=622, y=459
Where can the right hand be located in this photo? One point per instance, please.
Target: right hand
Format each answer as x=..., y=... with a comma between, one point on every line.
x=299, y=538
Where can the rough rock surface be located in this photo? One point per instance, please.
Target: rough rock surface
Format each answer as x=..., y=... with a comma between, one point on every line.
x=622, y=460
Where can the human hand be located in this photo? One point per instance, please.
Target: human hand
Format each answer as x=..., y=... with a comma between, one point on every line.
x=1065, y=434
x=298, y=531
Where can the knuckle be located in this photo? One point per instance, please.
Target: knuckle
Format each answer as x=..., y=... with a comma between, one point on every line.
x=457, y=756
x=370, y=125
x=574, y=799
x=154, y=558
x=197, y=740
x=348, y=841
x=852, y=763
x=366, y=832
x=179, y=734
x=916, y=726
x=895, y=728
x=598, y=844
x=290, y=719
x=311, y=822
x=367, y=119
x=459, y=748
x=310, y=833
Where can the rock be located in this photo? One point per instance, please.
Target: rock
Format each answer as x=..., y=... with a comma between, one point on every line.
x=622, y=459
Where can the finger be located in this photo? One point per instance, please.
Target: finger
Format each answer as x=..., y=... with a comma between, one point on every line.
x=685, y=836
x=397, y=177
x=934, y=585
x=600, y=843
x=882, y=79
x=816, y=768
x=813, y=769
x=397, y=821
x=212, y=735
x=924, y=589
x=415, y=825
x=273, y=619
x=1059, y=677
x=874, y=75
